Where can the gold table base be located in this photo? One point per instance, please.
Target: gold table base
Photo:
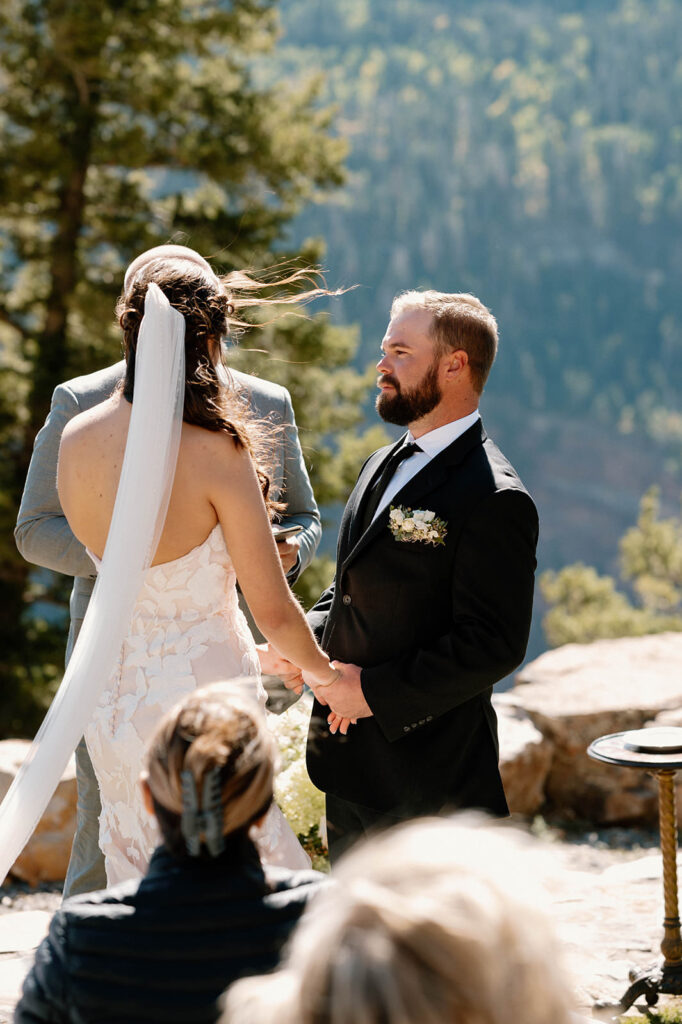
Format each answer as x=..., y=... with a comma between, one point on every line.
x=663, y=977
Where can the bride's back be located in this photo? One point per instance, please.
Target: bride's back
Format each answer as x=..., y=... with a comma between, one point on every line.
x=90, y=461
x=214, y=427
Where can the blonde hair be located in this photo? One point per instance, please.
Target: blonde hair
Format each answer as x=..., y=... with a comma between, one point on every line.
x=436, y=922
x=215, y=727
x=460, y=321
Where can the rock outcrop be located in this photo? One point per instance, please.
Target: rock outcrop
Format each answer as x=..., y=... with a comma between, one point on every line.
x=525, y=759
x=578, y=692
x=561, y=702
x=46, y=856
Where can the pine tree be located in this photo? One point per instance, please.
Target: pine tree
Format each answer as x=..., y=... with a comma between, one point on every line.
x=123, y=124
x=585, y=606
x=312, y=360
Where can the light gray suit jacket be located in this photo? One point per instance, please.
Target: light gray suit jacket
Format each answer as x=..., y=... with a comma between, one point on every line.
x=42, y=533
x=44, y=537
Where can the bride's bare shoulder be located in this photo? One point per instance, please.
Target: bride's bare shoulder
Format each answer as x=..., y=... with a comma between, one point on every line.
x=87, y=426
x=207, y=444
x=211, y=454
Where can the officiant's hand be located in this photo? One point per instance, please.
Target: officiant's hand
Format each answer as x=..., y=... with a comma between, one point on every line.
x=288, y=552
x=273, y=664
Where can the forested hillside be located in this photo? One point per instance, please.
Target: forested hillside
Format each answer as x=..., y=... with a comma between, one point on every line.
x=531, y=153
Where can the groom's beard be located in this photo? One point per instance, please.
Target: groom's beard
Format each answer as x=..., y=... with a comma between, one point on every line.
x=405, y=407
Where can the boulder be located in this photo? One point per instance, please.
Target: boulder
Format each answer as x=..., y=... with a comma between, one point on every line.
x=46, y=856
x=579, y=692
x=525, y=758
x=672, y=717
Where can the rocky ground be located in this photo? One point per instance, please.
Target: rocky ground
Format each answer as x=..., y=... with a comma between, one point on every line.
x=607, y=906
x=16, y=897
x=24, y=917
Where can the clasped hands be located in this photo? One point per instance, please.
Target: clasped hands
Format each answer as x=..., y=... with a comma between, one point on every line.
x=343, y=695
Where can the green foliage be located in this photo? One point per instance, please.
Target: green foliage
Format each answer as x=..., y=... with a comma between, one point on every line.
x=122, y=125
x=317, y=851
x=315, y=580
x=301, y=802
x=125, y=123
x=311, y=359
x=528, y=152
x=585, y=606
x=671, y=1014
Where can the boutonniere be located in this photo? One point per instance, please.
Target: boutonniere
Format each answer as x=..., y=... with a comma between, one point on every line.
x=418, y=526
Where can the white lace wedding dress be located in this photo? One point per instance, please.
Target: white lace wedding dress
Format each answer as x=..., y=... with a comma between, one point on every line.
x=187, y=631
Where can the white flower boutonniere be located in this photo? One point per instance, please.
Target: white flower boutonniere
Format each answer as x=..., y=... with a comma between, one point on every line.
x=418, y=526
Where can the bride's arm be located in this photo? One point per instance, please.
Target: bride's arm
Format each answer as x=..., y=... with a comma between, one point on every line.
x=234, y=491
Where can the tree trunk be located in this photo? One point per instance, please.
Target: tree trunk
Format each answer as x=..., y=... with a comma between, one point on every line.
x=20, y=660
x=52, y=343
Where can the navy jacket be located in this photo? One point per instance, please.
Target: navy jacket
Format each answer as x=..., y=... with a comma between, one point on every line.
x=165, y=948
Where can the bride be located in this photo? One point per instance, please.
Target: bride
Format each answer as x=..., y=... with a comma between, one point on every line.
x=164, y=484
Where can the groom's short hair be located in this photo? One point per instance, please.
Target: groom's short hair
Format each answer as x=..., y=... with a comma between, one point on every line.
x=460, y=321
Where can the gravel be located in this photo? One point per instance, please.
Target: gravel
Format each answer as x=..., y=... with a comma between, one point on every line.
x=16, y=896
x=590, y=850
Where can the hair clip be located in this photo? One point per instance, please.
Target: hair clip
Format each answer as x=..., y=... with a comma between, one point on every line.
x=205, y=825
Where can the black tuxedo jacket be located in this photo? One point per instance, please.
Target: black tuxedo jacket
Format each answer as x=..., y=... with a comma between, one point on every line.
x=433, y=627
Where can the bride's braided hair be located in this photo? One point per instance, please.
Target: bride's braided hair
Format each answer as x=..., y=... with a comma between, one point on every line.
x=213, y=730
x=209, y=306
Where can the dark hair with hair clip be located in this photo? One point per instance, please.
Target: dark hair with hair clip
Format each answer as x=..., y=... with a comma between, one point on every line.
x=214, y=743
x=203, y=825
x=210, y=305
x=203, y=302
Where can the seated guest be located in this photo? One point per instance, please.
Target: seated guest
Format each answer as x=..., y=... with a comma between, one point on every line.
x=207, y=913
x=433, y=922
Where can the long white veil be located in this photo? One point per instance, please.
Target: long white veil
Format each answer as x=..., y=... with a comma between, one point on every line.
x=137, y=522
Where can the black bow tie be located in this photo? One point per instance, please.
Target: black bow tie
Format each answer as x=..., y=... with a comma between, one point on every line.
x=398, y=456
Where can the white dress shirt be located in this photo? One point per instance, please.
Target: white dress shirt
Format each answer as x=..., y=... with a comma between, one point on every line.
x=431, y=444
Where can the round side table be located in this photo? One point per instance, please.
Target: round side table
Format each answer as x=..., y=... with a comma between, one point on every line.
x=659, y=752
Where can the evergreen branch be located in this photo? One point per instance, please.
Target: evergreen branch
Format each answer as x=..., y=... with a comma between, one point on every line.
x=7, y=318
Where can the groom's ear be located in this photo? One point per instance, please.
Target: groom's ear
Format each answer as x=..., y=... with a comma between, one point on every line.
x=455, y=363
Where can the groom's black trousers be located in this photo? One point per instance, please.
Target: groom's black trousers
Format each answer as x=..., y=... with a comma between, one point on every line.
x=348, y=822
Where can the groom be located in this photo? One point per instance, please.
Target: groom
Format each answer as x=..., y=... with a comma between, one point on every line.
x=431, y=603
x=44, y=537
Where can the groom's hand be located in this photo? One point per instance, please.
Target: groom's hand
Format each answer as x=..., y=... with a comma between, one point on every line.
x=345, y=697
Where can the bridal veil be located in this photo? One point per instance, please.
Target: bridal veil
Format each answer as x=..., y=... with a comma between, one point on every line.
x=137, y=522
